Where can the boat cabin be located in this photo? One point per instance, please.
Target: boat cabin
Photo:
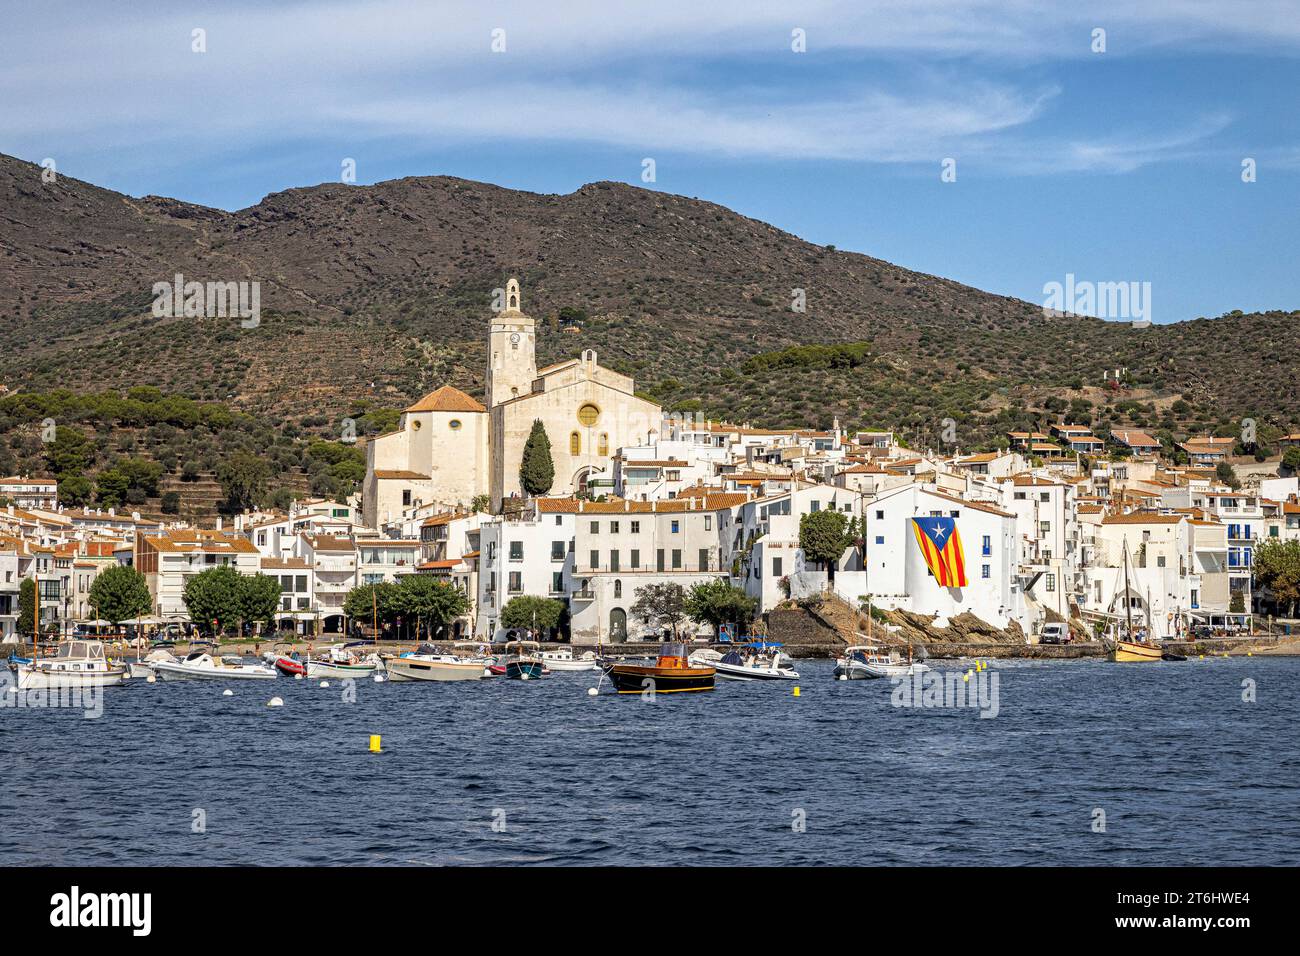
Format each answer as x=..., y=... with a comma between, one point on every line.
x=673, y=654
x=80, y=651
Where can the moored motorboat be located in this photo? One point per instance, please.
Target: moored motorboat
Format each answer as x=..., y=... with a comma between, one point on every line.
x=75, y=664
x=754, y=662
x=416, y=666
x=523, y=660
x=290, y=666
x=867, y=661
x=199, y=665
x=562, y=659
x=671, y=673
x=338, y=661
x=145, y=668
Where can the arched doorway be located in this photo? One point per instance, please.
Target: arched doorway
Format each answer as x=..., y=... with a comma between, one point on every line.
x=617, y=626
x=580, y=481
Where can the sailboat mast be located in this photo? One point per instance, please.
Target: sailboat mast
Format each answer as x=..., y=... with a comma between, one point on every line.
x=1128, y=610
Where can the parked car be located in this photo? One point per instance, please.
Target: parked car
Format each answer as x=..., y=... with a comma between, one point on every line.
x=1054, y=634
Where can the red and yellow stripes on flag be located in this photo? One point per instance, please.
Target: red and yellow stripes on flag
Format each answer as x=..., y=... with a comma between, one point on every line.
x=947, y=565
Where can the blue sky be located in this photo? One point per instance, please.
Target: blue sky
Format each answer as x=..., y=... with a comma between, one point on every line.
x=1122, y=165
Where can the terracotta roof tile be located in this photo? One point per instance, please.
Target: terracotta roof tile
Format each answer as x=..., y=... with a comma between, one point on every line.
x=447, y=399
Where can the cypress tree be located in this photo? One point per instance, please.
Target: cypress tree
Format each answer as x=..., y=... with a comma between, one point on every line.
x=537, y=470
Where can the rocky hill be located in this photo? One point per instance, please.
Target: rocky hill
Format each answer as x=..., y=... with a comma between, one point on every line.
x=375, y=294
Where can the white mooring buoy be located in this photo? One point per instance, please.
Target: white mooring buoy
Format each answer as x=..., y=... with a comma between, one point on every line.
x=275, y=702
x=227, y=693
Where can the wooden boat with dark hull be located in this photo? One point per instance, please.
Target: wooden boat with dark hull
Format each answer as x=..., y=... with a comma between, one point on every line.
x=671, y=673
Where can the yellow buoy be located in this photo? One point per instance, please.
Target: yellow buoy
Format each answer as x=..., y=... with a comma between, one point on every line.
x=796, y=690
x=374, y=743
x=966, y=677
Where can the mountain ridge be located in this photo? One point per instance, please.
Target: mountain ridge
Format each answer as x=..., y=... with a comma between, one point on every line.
x=380, y=293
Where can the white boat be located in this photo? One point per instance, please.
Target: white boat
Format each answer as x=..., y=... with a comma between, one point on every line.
x=75, y=664
x=867, y=661
x=760, y=662
x=340, y=662
x=563, y=660
x=145, y=668
x=201, y=666
x=426, y=664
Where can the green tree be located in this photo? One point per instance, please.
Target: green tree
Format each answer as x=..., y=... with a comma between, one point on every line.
x=367, y=601
x=661, y=605
x=1227, y=474
x=823, y=536
x=111, y=487
x=259, y=598
x=214, y=595
x=27, y=607
x=70, y=453
x=142, y=474
x=536, y=469
x=538, y=613
x=171, y=503
x=243, y=480
x=717, y=603
x=119, y=593
x=1277, y=567
x=1291, y=460
x=76, y=490
x=430, y=603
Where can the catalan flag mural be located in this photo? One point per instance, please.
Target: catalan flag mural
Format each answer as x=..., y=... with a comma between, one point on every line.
x=941, y=546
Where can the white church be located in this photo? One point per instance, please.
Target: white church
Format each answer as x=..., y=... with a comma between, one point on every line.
x=449, y=448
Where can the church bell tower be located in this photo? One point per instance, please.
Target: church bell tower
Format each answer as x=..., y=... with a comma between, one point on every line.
x=512, y=359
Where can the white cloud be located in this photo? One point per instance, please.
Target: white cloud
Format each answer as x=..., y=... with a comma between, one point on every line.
x=585, y=71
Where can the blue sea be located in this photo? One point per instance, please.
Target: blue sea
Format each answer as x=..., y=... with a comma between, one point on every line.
x=1085, y=762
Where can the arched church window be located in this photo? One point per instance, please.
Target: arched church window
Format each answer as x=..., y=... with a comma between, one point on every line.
x=575, y=444
x=454, y=424
x=618, y=589
x=588, y=414
x=603, y=444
